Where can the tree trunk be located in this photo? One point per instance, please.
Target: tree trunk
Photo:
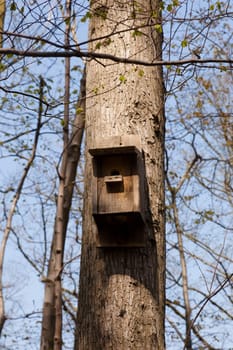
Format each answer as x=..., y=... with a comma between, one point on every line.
x=2, y=18
x=121, y=298
x=73, y=156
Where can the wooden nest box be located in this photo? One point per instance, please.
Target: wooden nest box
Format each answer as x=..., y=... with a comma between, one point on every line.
x=118, y=191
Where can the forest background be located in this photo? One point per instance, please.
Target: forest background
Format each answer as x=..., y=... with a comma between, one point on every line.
x=40, y=39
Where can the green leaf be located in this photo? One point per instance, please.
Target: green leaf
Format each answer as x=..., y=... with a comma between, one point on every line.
x=79, y=110
x=76, y=68
x=158, y=28
x=13, y=6
x=218, y=3
x=141, y=72
x=223, y=68
x=2, y=67
x=95, y=90
x=208, y=214
x=98, y=45
x=155, y=14
x=184, y=43
x=107, y=42
x=162, y=5
x=87, y=16
x=67, y=21
x=136, y=33
x=133, y=14
x=122, y=79
x=211, y=7
x=188, y=198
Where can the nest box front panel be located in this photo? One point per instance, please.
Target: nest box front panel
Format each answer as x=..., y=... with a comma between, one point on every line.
x=117, y=184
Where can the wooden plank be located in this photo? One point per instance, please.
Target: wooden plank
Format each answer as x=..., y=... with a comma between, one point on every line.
x=113, y=178
x=116, y=145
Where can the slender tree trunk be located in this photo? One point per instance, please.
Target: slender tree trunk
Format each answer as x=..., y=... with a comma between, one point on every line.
x=60, y=233
x=2, y=18
x=73, y=156
x=51, y=337
x=121, y=298
x=188, y=310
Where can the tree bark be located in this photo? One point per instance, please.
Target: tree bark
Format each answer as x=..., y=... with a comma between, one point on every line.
x=2, y=18
x=73, y=156
x=121, y=296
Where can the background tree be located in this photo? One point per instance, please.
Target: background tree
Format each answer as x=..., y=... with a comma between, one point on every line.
x=196, y=200
x=2, y=17
x=37, y=197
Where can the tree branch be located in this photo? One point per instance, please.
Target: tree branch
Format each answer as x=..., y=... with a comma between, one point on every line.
x=93, y=55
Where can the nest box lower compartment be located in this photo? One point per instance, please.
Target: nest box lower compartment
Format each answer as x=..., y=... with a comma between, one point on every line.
x=124, y=229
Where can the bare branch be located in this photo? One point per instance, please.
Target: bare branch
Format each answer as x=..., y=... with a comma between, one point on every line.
x=93, y=55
